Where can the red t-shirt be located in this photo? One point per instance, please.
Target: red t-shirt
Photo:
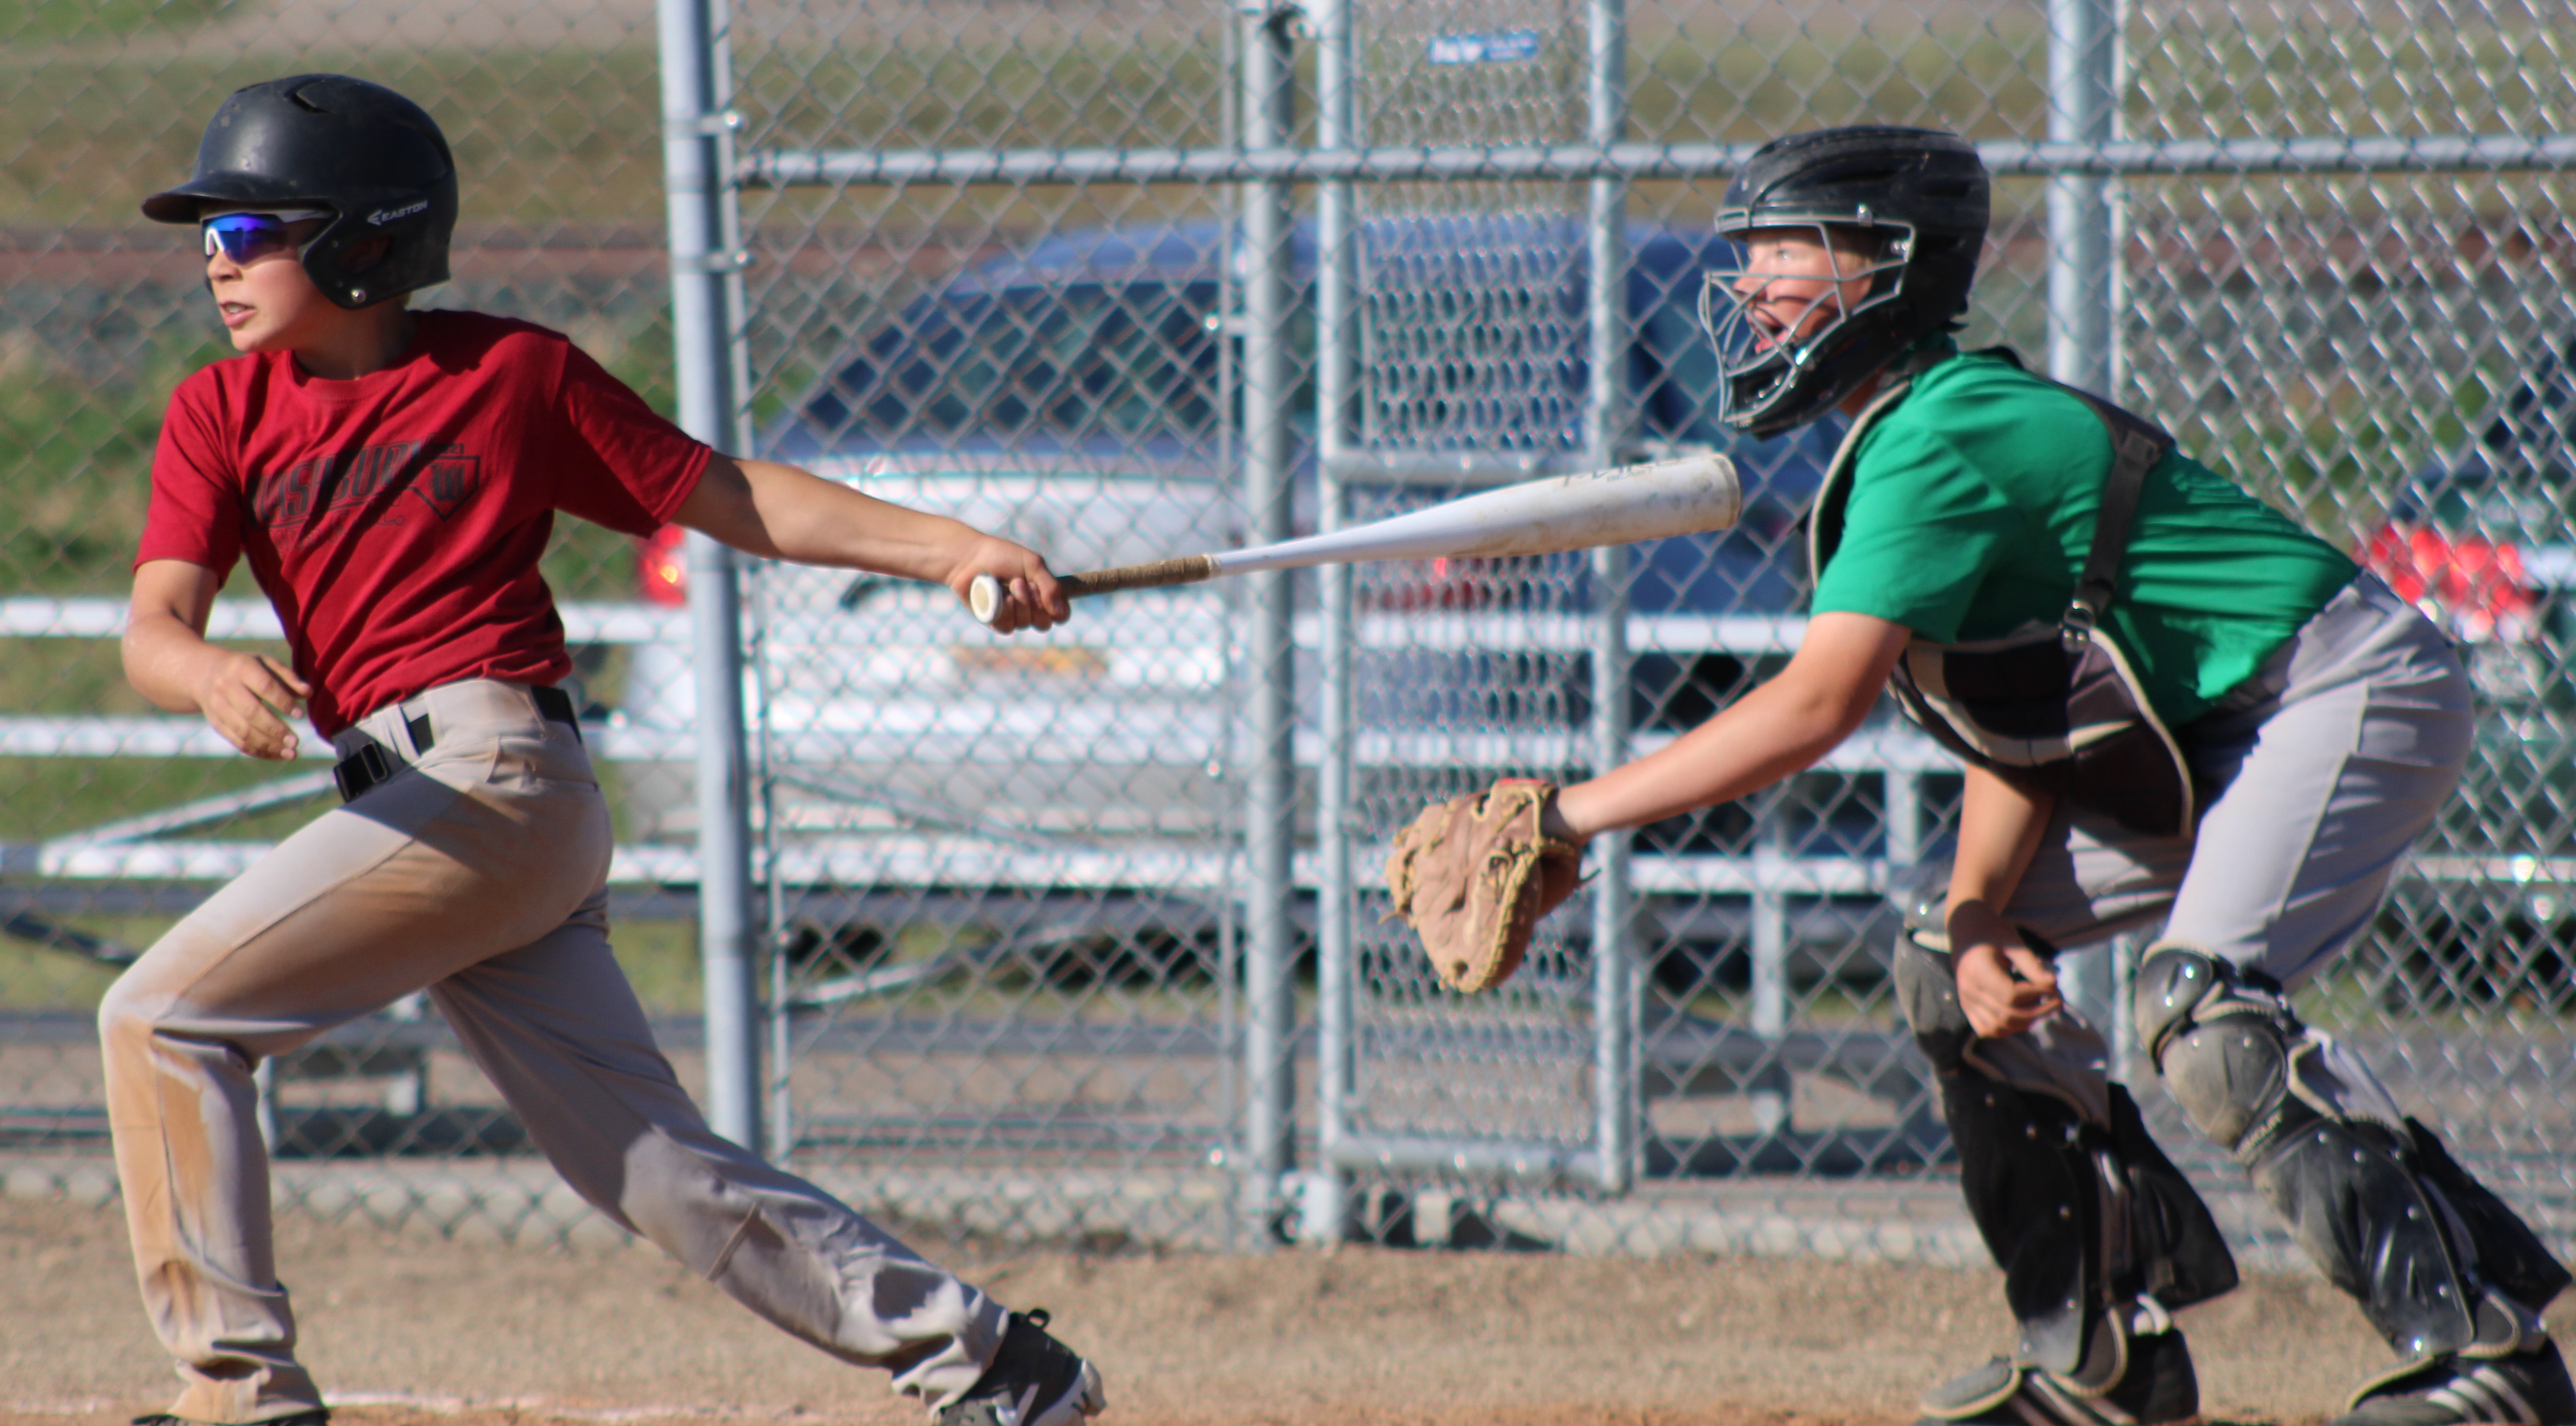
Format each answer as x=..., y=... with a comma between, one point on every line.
x=396, y=520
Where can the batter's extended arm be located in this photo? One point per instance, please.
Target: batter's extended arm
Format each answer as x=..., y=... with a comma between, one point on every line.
x=779, y=512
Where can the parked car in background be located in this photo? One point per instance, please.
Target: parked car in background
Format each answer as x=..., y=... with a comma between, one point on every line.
x=2481, y=540
x=1083, y=376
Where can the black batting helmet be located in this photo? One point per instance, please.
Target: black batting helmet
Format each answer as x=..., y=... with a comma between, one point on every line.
x=1921, y=194
x=372, y=157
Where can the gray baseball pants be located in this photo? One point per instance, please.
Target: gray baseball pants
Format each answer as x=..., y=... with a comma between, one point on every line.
x=480, y=876
x=2320, y=772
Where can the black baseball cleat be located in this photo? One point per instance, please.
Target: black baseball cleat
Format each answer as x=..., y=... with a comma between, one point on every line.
x=1034, y=1380
x=2525, y=1388
x=2138, y=1380
x=318, y=1416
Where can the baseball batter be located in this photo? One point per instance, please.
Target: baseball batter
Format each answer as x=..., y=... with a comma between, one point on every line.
x=2244, y=736
x=391, y=477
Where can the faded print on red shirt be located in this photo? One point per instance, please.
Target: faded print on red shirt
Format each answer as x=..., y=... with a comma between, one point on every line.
x=396, y=521
x=298, y=502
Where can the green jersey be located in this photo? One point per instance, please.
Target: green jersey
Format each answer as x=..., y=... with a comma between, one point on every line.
x=1968, y=507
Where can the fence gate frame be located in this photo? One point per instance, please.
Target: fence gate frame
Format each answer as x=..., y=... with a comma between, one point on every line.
x=1608, y=1161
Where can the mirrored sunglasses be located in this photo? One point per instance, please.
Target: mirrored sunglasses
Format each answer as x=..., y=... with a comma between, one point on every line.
x=248, y=237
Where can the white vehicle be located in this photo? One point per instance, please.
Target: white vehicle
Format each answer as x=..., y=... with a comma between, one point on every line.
x=886, y=707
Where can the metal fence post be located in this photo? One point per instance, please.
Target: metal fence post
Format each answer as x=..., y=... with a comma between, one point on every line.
x=1269, y=385
x=2081, y=49
x=1336, y=317
x=696, y=145
x=2080, y=52
x=1769, y=1006
x=1614, y=1010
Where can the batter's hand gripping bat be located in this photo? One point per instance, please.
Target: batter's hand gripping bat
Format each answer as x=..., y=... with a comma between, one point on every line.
x=1538, y=517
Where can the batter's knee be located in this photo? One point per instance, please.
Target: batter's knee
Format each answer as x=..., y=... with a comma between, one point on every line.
x=130, y=1018
x=125, y=1013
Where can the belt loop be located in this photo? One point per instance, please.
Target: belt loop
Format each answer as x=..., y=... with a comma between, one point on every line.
x=417, y=727
x=555, y=705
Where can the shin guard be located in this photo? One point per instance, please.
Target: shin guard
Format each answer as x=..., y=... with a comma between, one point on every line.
x=2030, y=1187
x=2374, y=1200
x=2084, y=1214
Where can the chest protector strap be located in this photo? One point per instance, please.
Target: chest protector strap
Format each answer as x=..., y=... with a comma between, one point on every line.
x=2053, y=709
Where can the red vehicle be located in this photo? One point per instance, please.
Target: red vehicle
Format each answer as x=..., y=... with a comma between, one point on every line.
x=2477, y=587
x=2483, y=543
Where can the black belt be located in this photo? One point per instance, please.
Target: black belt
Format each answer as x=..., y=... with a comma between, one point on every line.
x=371, y=764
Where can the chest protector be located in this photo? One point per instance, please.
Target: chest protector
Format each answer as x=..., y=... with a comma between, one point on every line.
x=2050, y=708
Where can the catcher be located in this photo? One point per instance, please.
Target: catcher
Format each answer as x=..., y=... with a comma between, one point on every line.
x=390, y=477
x=2174, y=706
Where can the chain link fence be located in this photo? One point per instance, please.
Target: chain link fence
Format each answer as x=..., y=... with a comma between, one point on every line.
x=1075, y=938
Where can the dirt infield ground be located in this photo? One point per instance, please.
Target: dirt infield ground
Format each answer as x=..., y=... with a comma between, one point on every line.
x=404, y=1330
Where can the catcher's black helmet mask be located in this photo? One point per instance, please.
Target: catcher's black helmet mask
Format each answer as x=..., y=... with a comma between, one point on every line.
x=372, y=157
x=1922, y=194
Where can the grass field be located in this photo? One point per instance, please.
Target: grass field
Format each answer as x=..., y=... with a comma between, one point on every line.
x=28, y=22
x=547, y=137
x=660, y=958
x=560, y=135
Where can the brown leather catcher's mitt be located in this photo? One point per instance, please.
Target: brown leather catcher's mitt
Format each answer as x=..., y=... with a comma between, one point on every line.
x=1473, y=875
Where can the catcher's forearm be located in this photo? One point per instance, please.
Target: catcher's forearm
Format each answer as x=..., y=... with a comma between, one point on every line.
x=1999, y=830
x=1738, y=753
x=1780, y=728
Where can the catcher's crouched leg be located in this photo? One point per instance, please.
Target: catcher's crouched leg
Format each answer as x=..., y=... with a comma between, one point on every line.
x=1473, y=875
x=2440, y=1266
x=2099, y=1236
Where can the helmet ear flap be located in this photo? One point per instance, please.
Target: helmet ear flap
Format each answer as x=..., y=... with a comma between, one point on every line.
x=415, y=233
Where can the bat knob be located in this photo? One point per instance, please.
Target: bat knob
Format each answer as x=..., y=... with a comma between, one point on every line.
x=984, y=598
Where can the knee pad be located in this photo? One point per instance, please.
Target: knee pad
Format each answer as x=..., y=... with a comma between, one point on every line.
x=1927, y=987
x=1921, y=895
x=2225, y=1049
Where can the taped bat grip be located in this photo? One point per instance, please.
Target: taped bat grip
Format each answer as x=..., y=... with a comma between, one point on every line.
x=985, y=595
x=1187, y=569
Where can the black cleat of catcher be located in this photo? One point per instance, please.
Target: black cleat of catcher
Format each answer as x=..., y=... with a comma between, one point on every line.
x=318, y=1416
x=2526, y=1388
x=2136, y=1380
x=1034, y=1380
